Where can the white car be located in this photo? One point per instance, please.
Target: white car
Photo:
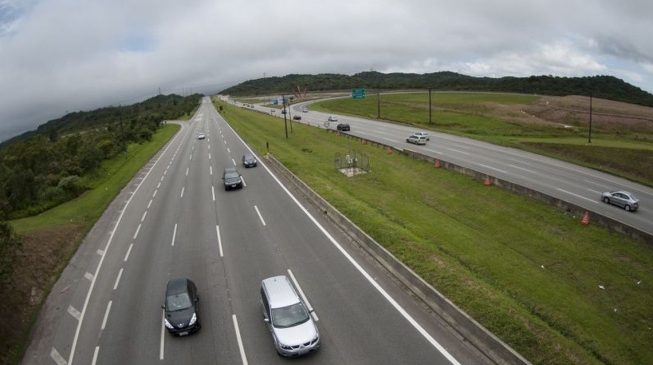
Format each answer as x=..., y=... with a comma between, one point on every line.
x=416, y=139
x=428, y=138
x=332, y=118
x=305, y=110
x=201, y=136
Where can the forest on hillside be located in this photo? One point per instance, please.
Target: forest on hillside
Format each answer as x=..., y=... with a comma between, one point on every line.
x=606, y=87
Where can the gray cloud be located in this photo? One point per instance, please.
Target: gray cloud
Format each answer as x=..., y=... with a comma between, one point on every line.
x=66, y=55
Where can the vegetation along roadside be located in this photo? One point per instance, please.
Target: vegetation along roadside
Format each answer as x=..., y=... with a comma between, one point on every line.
x=556, y=291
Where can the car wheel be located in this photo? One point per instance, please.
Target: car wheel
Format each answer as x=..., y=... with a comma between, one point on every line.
x=606, y=200
x=628, y=208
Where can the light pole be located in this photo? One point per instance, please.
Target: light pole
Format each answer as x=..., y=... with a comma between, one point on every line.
x=285, y=122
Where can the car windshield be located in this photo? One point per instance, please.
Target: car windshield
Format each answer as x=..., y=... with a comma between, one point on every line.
x=177, y=302
x=231, y=175
x=289, y=316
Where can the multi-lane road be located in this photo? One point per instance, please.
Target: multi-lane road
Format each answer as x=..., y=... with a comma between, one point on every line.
x=568, y=182
x=176, y=220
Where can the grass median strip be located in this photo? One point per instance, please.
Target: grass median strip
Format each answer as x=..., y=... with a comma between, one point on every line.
x=557, y=291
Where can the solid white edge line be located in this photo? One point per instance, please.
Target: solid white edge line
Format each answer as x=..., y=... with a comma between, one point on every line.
x=367, y=276
x=95, y=353
x=106, y=315
x=174, y=234
x=259, y=215
x=578, y=196
x=492, y=168
x=129, y=250
x=241, y=348
x=138, y=229
x=217, y=231
x=115, y=285
x=97, y=270
x=213, y=192
x=301, y=292
x=144, y=215
x=163, y=326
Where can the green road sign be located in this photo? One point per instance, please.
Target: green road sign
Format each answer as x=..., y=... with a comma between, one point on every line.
x=358, y=93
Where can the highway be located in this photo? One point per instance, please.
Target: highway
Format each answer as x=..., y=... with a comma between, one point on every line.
x=565, y=181
x=176, y=220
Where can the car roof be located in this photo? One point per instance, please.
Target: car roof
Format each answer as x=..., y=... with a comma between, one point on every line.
x=280, y=292
x=178, y=285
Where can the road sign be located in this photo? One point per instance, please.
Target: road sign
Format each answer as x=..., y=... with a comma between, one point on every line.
x=358, y=93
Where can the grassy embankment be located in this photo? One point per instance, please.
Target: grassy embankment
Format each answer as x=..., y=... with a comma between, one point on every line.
x=51, y=238
x=500, y=118
x=528, y=272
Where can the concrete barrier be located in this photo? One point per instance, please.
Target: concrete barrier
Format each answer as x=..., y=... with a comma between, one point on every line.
x=472, y=331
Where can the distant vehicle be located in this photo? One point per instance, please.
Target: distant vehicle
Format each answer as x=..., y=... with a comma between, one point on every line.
x=283, y=111
x=232, y=179
x=201, y=136
x=181, y=307
x=621, y=198
x=305, y=110
x=293, y=331
x=416, y=139
x=297, y=117
x=249, y=160
x=343, y=127
x=332, y=118
x=428, y=138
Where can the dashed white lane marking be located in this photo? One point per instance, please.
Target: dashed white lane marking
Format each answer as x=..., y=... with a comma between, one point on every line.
x=228, y=150
x=217, y=231
x=162, y=338
x=578, y=196
x=117, y=282
x=595, y=191
x=455, y=150
x=259, y=215
x=213, y=192
x=244, y=185
x=187, y=168
x=225, y=141
x=165, y=172
x=174, y=234
x=144, y=215
x=209, y=155
x=234, y=161
x=182, y=191
x=210, y=170
x=492, y=168
x=56, y=357
x=106, y=315
x=162, y=178
x=241, y=348
x=95, y=353
x=88, y=276
x=521, y=168
x=154, y=194
x=74, y=312
x=129, y=250
x=138, y=229
x=301, y=292
x=158, y=185
x=148, y=204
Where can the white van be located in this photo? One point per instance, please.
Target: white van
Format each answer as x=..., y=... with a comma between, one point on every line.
x=417, y=139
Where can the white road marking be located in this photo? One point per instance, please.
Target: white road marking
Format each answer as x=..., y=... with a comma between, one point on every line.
x=243, y=179
x=88, y=276
x=74, y=312
x=360, y=269
x=602, y=186
x=191, y=157
x=148, y=204
x=213, y=192
x=243, y=357
x=228, y=150
x=144, y=215
x=234, y=161
x=154, y=195
x=95, y=353
x=129, y=250
x=106, y=314
x=225, y=141
x=434, y=151
x=187, y=168
x=182, y=191
x=165, y=172
x=217, y=231
x=491, y=168
x=174, y=234
x=162, y=177
x=210, y=170
x=259, y=215
x=138, y=229
x=56, y=357
x=301, y=292
x=117, y=282
x=158, y=185
x=455, y=150
x=578, y=196
x=522, y=168
x=163, y=313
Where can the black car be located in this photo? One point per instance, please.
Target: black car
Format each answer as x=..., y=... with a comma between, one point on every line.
x=232, y=179
x=181, y=307
x=297, y=117
x=342, y=127
x=249, y=160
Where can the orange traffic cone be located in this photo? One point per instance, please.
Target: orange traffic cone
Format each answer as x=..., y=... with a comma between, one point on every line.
x=586, y=219
x=437, y=164
x=487, y=181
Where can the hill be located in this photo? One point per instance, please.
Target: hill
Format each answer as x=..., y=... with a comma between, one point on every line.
x=606, y=87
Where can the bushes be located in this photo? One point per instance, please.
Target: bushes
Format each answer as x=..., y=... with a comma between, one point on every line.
x=9, y=246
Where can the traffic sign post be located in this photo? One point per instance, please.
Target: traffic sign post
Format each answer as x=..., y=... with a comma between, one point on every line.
x=358, y=93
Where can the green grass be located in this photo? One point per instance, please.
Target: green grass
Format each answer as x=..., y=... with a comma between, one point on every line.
x=111, y=177
x=525, y=270
x=473, y=115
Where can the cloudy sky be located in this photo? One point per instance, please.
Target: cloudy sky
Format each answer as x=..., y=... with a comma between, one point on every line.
x=67, y=55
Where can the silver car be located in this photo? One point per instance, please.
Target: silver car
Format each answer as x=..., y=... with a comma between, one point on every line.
x=293, y=331
x=621, y=198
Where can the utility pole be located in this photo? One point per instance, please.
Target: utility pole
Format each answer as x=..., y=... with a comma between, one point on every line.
x=429, y=105
x=285, y=123
x=378, y=104
x=589, y=137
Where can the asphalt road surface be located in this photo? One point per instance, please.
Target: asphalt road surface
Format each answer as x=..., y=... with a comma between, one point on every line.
x=176, y=220
x=565, y=181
